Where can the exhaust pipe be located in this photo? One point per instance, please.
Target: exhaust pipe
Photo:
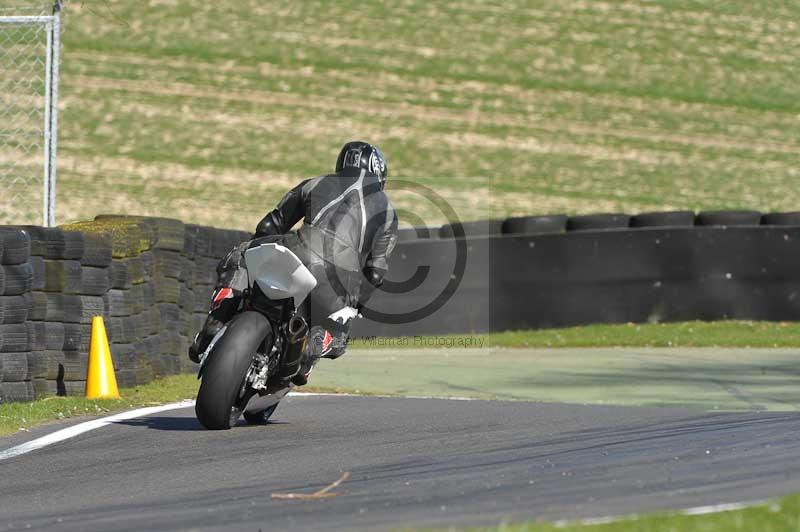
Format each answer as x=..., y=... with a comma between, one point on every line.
x=297, y=330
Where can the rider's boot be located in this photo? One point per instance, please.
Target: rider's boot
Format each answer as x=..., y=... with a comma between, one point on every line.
x=319, y=343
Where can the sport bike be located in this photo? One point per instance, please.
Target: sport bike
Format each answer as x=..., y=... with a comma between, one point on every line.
x=248, y=365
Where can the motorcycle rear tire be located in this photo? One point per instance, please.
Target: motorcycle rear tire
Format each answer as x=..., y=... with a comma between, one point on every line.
x=226, y=369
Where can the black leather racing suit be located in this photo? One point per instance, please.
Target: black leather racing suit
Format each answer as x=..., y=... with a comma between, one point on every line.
x=349, y=231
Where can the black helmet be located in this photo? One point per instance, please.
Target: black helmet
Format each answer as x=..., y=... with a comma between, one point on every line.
x=363, y=156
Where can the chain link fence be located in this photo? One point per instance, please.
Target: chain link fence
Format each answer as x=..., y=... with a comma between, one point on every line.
x=29, y=65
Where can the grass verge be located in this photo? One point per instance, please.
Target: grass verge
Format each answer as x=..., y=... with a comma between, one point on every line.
x=780, y=515
x=683, y=334
x=17, y=416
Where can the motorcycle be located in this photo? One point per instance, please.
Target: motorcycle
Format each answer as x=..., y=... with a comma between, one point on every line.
x=248, y=365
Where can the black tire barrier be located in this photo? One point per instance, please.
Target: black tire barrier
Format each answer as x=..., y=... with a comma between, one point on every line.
x=165, y=365
x=186, y=298
x=167, y=290
x=187, y=271
x=128, y=237
x=130, y=270
x=16, y=245
x=15, y=309
x=150, y=347
x=75, y=365
x=190, y=237
x=118, y=302
x=728, y=218
x=148, y=264
x=55, y=335
x=90, y=307
x=15, y=366
x=39, y=272
x=148, y=295
x=584, y=277
x=63, y=307
x=781, y=218
x=46, y=365
x=404, y=235
x=55, y=307
x=94, y=281
x=663, y=219
x=169, y=313
x=74, y=245
x=166, y=233
x=37, y=335
x=73, y=333
x=593, y=222
x=115, y=330
x=173, y=343
x=135, y=300
x=202, y=297
x=125, y=356
x=74, y=388
x=223, y=240
x=471, y=229
x=38, y=310
x=198, y=319
x=535, y=225
x=200, y=236
x=170, y=233
x=120, y=274
x=152, y=319
x=46, y=242
x=135, y=327
x=14, y=338
x=16, y=392
x=63, y=276
x=97, y=250
x=47, y=388
x=86, y=339
x=205, y=271
x=17, y=279
x=168, y=263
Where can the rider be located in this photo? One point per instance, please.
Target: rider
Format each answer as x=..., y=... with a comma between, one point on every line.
x=349, y=231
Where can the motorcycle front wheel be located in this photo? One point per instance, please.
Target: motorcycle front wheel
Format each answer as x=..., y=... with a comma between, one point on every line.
x=226, y=368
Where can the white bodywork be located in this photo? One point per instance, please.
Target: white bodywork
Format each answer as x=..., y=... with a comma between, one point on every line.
x=278, y=273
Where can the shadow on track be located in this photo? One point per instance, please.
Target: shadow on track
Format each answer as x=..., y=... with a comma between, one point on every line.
x=178, y=424
x=169, y=423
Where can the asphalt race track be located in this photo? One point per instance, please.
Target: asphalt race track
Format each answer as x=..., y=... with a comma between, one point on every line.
x=412, y=462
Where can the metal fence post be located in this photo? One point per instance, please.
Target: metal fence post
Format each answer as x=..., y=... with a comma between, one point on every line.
x=54, y=65
x=30, y=46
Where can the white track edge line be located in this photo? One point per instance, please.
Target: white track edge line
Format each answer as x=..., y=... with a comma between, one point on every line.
x=76, y=430
x=380, y=396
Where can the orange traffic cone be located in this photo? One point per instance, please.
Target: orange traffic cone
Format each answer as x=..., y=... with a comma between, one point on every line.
x=101, y=383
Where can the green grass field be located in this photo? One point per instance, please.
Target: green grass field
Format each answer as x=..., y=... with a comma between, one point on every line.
x=505, y=108
x=683, y=334
x=777, y=516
